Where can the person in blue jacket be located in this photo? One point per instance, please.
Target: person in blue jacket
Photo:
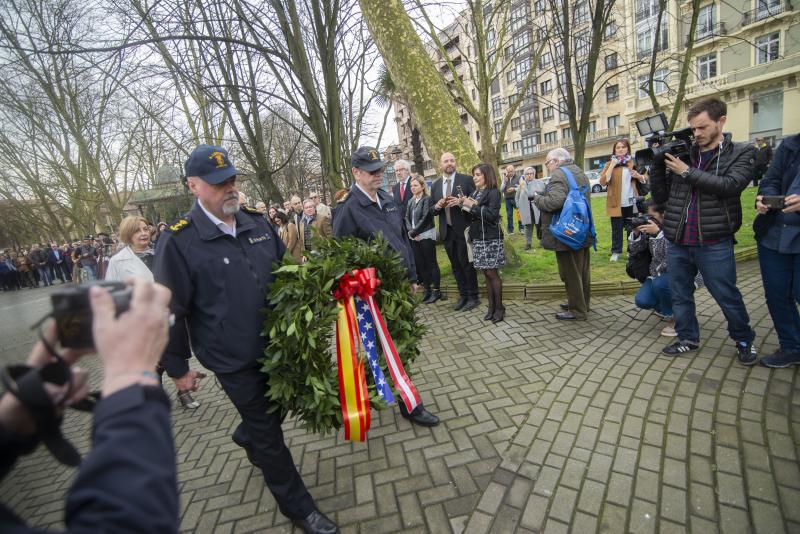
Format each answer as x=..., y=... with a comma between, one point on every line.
x=218, y=261
x=368, y=211
x=128, y=481
x=778, y=236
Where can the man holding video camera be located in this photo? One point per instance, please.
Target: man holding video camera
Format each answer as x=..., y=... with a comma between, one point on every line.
x=703, y=212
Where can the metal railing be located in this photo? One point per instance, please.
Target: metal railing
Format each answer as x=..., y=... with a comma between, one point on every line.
x=766, y=11
x=703, y=34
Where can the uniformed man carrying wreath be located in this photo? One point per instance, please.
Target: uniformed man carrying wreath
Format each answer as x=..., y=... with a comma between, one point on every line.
x=368, y=211
x=218, y=262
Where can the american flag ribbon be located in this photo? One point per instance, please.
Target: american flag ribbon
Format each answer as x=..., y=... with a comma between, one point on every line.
x=366, y=328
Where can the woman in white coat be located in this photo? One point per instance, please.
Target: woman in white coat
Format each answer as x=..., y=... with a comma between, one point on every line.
x=137, y=256
x=528, y=213
x=136, y=260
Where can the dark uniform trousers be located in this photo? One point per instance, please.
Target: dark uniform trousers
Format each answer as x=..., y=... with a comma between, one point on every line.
x=262, y=433
x=573, y=268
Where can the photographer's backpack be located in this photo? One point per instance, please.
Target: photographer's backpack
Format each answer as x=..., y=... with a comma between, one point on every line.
x=572, y=225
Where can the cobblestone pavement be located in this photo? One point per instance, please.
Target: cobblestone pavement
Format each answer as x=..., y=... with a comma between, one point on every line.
x=546, y=427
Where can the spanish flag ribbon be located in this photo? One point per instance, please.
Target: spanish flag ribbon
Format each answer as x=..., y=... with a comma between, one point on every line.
x=354, y=326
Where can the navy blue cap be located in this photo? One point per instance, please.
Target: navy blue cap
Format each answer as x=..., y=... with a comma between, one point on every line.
x=367, y=158
x=211, y=163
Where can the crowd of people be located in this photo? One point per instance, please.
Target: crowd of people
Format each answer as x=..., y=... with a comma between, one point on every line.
x=217, y=263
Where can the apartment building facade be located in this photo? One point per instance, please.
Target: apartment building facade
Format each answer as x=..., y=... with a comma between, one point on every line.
x=747, y=54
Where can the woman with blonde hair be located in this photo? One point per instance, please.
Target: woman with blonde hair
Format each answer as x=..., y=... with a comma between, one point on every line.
x=422, y=233
x=136, y=259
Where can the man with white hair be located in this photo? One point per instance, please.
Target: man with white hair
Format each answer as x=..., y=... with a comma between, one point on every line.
x=322, y=209
x=573, y=265
x=402, y=189
x=242, y=199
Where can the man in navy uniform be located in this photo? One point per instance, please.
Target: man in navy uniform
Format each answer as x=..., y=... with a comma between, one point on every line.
x=368, y=211
x=218, y=262
x=452, y=223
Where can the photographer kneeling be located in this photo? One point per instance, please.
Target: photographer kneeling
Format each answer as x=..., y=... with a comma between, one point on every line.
x=654, y=294
x=128, y=481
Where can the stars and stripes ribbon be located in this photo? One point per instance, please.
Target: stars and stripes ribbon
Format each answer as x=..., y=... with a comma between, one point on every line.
x=360, y=322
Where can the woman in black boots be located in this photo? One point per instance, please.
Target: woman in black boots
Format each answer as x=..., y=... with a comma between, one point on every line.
x=483, y=212
x=421, y=231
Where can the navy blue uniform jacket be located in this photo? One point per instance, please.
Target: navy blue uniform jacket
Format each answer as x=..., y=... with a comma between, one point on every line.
x=360, y=217
x=219, y=285
x=128, y=482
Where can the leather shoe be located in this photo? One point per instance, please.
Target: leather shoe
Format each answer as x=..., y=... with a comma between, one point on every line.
x=435, y=295
x=421, y=417
x=471, y=304
x=247, y=449
x=316, y=523
x=564, y=306
x=461, y=303
x=567, y=316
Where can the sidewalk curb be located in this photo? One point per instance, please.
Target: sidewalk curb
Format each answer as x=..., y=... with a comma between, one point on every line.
x=554, y=291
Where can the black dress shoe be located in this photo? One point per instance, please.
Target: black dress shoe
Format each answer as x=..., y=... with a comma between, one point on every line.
x=316, y=523
x=489, y=315
x=567, y=316
x=564, y=306
x=427, y=295
x=420, y=416
x=247, y=449
x=471, y=304
x=461, y=303
x=499, y=314
x=435, y=295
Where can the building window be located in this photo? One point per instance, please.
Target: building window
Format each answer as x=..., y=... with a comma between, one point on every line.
x=548, y=113
x=528, y=144
x=515, y=124
x=566, y=134
x=611, y=29
x=659, y=83
x=592, y=127
x=529, y=120
x=705, y=22
x=646, y=9
x=767, y=8
x=613, y=124
x=497, y=126
x=550, y=137
x=519, y=16
x=511, y=77
x=583, y=73
x=612, y=93
x=611, y=61
x=495, y=86
x=581, y=13
x=523, y=68
x=767, y=47
x=562, y=111
x=508, y=53
x=497, y=106
x=516, y=146
x=521, y=42
x=538, y=6
x=645, y=38
x=707, y=66
x=545, y=60
x=546, y=87
x=582, y=43
x=562, y=78
x=491, y=38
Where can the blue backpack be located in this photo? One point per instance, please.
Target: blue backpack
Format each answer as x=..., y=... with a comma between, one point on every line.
x=573, y=223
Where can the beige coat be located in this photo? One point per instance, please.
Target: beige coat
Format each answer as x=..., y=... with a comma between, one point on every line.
x=321, y=224
x=614, y=183
x=288, y=233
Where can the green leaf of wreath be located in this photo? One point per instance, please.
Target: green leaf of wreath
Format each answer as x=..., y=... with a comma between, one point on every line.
x=300, y=361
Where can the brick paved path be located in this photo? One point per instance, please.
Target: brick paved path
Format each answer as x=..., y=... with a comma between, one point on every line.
x=546, y=427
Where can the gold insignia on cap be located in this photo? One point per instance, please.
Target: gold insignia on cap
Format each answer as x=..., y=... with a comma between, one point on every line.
x=220, y=158
x=374, y=155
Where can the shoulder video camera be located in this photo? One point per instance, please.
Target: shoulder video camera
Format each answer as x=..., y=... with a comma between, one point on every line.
x=661, y=142
x=73, y=312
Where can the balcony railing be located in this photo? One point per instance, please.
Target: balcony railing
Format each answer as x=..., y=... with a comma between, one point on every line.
x=610, y=133
x=708, y=32
x=766, y=11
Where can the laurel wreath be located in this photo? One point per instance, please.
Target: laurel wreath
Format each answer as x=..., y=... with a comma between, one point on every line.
x=299, y=358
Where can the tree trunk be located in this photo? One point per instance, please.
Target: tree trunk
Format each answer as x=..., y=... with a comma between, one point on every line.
x=418, y=81
x=416, y=150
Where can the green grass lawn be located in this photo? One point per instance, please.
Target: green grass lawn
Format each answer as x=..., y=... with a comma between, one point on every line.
x=538, y=266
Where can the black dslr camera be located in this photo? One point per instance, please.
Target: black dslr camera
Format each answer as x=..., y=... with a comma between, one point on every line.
x=641, y=220
x=73, y=313
x=660, y=143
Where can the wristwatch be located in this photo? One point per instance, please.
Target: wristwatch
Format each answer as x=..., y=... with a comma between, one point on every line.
x=685, y=174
